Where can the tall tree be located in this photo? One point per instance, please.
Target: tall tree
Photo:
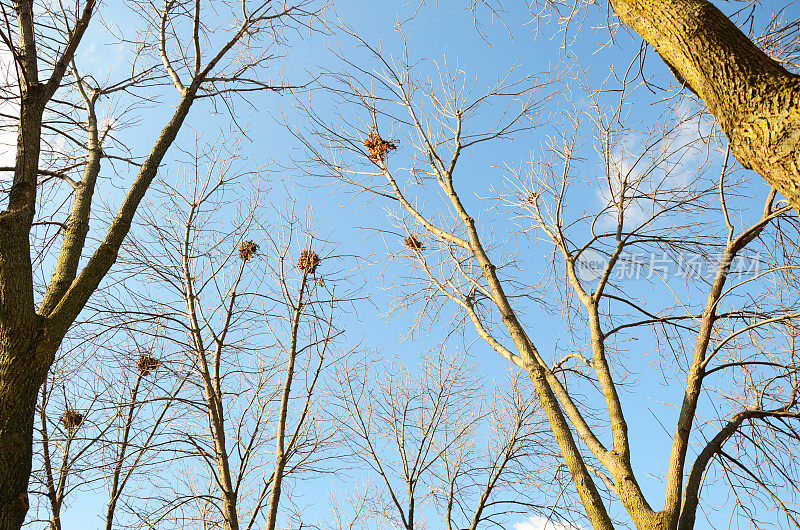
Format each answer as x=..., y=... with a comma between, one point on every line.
x=182, y=45
x=729, y=339
x=250, y=315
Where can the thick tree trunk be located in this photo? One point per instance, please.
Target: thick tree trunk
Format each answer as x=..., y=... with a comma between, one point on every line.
x=20, y=379
x=28, y=341
x=230, y=511
x=26, y=345
x=756, y=103
x=22, y=363
x=755, y=100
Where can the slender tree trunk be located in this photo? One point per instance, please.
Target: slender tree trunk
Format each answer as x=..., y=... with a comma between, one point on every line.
x=537, y=370
x=275, y=494
x=283, y=414
x=230, y=511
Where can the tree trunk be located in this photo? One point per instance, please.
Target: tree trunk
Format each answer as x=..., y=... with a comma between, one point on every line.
x=20, y=379
x=755, y=100
x=23, y=365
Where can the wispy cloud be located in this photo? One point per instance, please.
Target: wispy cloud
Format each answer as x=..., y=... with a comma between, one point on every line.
x=537, y=522
x=646, y=163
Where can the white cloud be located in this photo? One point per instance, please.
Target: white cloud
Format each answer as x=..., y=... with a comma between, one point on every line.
x=649, y=163
x=537, y=522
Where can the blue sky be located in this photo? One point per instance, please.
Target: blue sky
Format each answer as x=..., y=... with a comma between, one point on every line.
x=441, y=31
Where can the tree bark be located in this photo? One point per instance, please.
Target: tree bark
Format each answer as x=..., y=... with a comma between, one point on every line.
x=754, y=99
x=20, y=380
x=22, y=371
x=283, y=414
x=30, y=339
x=26, y=345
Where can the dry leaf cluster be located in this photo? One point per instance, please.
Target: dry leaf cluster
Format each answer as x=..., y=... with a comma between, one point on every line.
x=413, y=243
x=146, y=364
x=72, y=419
x=377, y=146
x=308, y=261
x=247, y=250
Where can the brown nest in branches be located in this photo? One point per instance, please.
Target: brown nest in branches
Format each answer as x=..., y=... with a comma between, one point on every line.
x=247, y=250
x=377, y=146
x=72, y=419
x=413, y=243
x=532, y=198
x=146, y=364
x=308, y=261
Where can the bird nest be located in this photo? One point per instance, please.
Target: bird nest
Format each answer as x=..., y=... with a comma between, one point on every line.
x=308, y=262
x=247, y=250
x=146, y=364
x=413, y=243
x=377, y=147
x=72, y=419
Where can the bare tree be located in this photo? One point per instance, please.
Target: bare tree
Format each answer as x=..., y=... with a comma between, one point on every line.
x=729, y=337
x=143, y=411
x=431, y=441
x=249, y=314
x=184, y=49
x=102, y=415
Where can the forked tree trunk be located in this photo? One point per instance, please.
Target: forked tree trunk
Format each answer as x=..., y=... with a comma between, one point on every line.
x=29, y=340
x=754, y=99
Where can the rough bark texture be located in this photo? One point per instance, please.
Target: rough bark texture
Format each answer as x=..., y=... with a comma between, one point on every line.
x=756, y=103
x=29, y=340
x=755, y=100
x=22, y=364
